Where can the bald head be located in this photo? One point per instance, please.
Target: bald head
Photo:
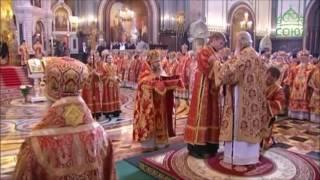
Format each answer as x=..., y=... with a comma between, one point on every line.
x=244, y=39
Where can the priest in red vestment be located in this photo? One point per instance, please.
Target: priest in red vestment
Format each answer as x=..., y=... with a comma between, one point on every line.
x=152, y=123
x=300, y=93
x=134, y=70
x=24, y=53
x=314, y=84
x=67, y=143
x=111, y=88
x=276, y=100
x=181, y=70
x=91, y=91
x=124, y=69
x=202, y=130
x=171, y=67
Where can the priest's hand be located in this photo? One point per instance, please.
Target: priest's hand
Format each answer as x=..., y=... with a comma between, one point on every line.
x=118, y=79
x=212, y=58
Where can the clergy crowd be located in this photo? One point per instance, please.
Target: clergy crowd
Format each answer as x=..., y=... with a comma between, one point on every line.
x=234, y=98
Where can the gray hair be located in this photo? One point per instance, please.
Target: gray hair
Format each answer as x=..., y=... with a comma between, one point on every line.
x=244, y=39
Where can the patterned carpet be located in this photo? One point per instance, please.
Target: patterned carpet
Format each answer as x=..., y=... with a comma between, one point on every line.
x=275, y=163
x=18, y=118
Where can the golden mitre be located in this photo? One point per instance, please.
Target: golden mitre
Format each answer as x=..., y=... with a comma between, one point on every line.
x=153, y=56
x=65, y=76
x=172, y=55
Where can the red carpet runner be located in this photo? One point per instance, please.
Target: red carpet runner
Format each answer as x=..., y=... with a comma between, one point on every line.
x=11, y=77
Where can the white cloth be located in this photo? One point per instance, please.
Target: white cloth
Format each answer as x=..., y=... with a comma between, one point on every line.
x=122, y=47
x=240, y=152
x=299, y=115
x=315, y=118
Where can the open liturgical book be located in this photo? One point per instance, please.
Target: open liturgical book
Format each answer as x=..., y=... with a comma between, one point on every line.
x=164, y=87
x=35, y=66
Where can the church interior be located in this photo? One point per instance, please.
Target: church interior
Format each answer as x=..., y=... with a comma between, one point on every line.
x=160, y=89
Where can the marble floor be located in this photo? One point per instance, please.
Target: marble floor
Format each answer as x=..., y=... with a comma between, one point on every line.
x=17, y=119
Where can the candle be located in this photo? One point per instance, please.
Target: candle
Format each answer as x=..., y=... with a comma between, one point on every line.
x=242, y=24
x=249, y=24
x=246, y=15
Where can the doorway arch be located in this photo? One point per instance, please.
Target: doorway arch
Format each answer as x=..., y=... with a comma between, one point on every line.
x=39, y=33
x=152, y=9
x=237, y=14
x=312, y=28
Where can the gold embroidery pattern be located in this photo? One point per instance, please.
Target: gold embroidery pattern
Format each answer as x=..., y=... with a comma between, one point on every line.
x=73, y=115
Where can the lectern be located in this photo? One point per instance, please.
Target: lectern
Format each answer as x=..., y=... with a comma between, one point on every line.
x=36, y=72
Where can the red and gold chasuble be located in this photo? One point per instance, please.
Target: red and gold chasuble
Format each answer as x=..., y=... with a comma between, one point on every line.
x=154, y=107
x=182, y=69
x=66, y=144
x=119, y=63
x=124, y=66
x=276, y=98
x=171, y=68
x=203, y=120
x=314, y=83
x=283, y=68
x=276, y=101
x=247, y=72
x=182, y=72
x=91, y=92
x=299, y=92
x=23, y=51
x=134, y=70
x=111, y=89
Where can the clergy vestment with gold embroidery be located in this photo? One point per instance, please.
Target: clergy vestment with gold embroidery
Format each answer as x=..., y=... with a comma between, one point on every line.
x=276, y=100
x=314, y=105
x=203, y=119
x=154, y=107
x=111, y=89
x=67, y=143
x=245, y=113
x=299, y=92
x=91, y=91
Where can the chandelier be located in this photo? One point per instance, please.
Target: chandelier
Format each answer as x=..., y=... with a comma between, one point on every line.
x=126, y=14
